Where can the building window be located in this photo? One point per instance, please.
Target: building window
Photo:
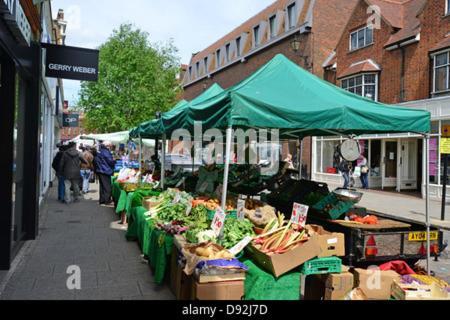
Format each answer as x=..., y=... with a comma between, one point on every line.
x=227, y=52
x=205, y=61
x=364, y=85
x=197, y=68
x=238, y=47
x=218, y=58
x=292, y=13
x=441, y=72
x=190, y=72
x=272, y=26
x=447, y=7
x=256, y=36
x=361, y=38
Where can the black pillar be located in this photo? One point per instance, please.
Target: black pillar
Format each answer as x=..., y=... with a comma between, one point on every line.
x=7, y=111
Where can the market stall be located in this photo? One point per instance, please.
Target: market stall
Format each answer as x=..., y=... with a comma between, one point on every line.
x=308, y=106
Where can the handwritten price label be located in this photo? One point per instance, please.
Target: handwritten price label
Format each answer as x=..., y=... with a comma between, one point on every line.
x=240, y=246
x=299, y=214
x=240, y=209
x=218, y=222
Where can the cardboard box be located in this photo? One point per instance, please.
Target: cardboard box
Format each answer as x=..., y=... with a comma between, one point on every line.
x=402, y=291
x=180, y=283
x=337, y=286
x=279, y=264
x=329, y=286
x=331, y=244
x=204, y=278
x=375, y=284
x=230, y=290
x=147, y=204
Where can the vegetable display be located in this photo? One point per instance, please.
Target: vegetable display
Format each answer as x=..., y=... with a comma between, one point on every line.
x=235, y=230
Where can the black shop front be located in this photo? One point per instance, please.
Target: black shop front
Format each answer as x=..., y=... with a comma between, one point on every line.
x=19, y=136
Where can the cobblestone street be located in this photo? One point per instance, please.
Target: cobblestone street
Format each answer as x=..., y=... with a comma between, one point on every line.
x=85, y=235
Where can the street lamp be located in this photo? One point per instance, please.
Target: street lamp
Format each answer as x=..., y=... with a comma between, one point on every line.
x=295, y=44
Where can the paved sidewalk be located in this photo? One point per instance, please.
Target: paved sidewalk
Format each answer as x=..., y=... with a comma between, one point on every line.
x=85, y=235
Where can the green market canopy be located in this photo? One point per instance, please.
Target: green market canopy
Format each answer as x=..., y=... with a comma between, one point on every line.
x=173, y=119
x=116, y=138
x=282, y=95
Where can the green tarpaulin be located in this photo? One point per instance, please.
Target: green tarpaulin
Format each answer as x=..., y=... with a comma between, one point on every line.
x=282, y=95
x=174, y=118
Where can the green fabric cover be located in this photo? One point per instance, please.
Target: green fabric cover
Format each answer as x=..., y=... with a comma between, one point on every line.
x=282, y=95
x=260, y=285
x=174, y=118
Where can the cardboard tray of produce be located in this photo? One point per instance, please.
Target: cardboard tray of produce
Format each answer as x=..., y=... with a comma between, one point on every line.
x=279, y=264
x=382, y=224
x=402, y=291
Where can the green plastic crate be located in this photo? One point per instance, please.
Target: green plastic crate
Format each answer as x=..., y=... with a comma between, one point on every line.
x=322, y=266
x=339, y=207
x=230, y=214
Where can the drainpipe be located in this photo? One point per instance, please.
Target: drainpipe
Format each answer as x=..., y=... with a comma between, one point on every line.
x=402, y=74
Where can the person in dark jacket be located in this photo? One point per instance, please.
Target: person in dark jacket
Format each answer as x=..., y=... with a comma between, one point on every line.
x=104, y=168
x=69, y=166
x=59, y=174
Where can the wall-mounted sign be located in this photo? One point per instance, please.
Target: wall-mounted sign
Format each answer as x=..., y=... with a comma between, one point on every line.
x=73, y=63
x=16, y=19
x=71, y=120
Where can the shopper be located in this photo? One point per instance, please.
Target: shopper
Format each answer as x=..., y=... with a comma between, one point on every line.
x=86, y=168
x=104, y=168
x=364, y=172
x=345, y=169
x=59, y=174
x=69, y=166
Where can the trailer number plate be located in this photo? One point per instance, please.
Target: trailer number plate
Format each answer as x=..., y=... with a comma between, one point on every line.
x=422, y=236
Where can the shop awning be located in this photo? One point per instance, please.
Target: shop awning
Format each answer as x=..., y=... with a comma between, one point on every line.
x=282, y=95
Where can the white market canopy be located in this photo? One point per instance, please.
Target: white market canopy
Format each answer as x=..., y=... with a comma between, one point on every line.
x=117, y=138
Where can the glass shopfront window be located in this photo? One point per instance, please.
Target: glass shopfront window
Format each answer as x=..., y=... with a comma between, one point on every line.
x=327, y=160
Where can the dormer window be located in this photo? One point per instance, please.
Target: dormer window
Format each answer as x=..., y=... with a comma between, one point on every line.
x=205, y=61
x=197, y=68
x=238, y=47
x=361, y=38
x=218, y=58
x=256, y=38
x=272, y=26
x=190, y=72
x=292, y=13
x=227, y=52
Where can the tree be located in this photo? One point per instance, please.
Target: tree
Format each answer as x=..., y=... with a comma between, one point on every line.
x=136, y=79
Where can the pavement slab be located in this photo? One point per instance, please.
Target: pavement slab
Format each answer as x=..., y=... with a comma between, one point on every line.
x=83, y=235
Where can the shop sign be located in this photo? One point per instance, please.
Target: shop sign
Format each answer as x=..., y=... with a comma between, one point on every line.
x=16, y=19
x=72, y=63
x=446, y=131
x=445, y=146
x=71, y=120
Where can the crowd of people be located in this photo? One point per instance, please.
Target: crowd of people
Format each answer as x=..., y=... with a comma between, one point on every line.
x=77, y=169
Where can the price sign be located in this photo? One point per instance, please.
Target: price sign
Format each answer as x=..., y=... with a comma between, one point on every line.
x=218, y=222
x=299, y=214
x=189, y=208
x=240, y=246
x=177, y=198
x=240, y=209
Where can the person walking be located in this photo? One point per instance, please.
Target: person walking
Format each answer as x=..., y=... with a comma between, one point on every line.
x=345, y=168
x=364, y=172
x=59, y=174
x=86, y=168
x=104, y=168
x=70, y=166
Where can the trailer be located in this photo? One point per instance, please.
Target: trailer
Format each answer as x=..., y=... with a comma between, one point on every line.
x=393, y=238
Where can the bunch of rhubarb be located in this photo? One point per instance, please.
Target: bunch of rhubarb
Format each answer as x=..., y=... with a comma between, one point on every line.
x=280, y=239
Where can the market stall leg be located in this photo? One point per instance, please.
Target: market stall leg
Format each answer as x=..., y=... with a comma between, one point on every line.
x=227, y=167
x=427, y=199
x=163, y=161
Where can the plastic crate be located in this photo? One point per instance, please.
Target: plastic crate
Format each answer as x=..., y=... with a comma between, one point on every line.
x=322, y=266
x=230, y=214
x=339, y=207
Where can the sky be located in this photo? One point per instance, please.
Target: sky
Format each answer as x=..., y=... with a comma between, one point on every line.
x=192, y=24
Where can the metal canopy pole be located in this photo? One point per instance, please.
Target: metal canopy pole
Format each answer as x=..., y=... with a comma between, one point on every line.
x=427, y=199
x=140, y=158
x=163, y=161
x=227, y=167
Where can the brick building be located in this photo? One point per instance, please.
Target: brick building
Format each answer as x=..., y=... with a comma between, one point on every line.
x=404, y=59
x=305, y=31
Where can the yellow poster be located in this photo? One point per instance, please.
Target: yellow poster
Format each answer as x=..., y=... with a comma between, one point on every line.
x=445, y=146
